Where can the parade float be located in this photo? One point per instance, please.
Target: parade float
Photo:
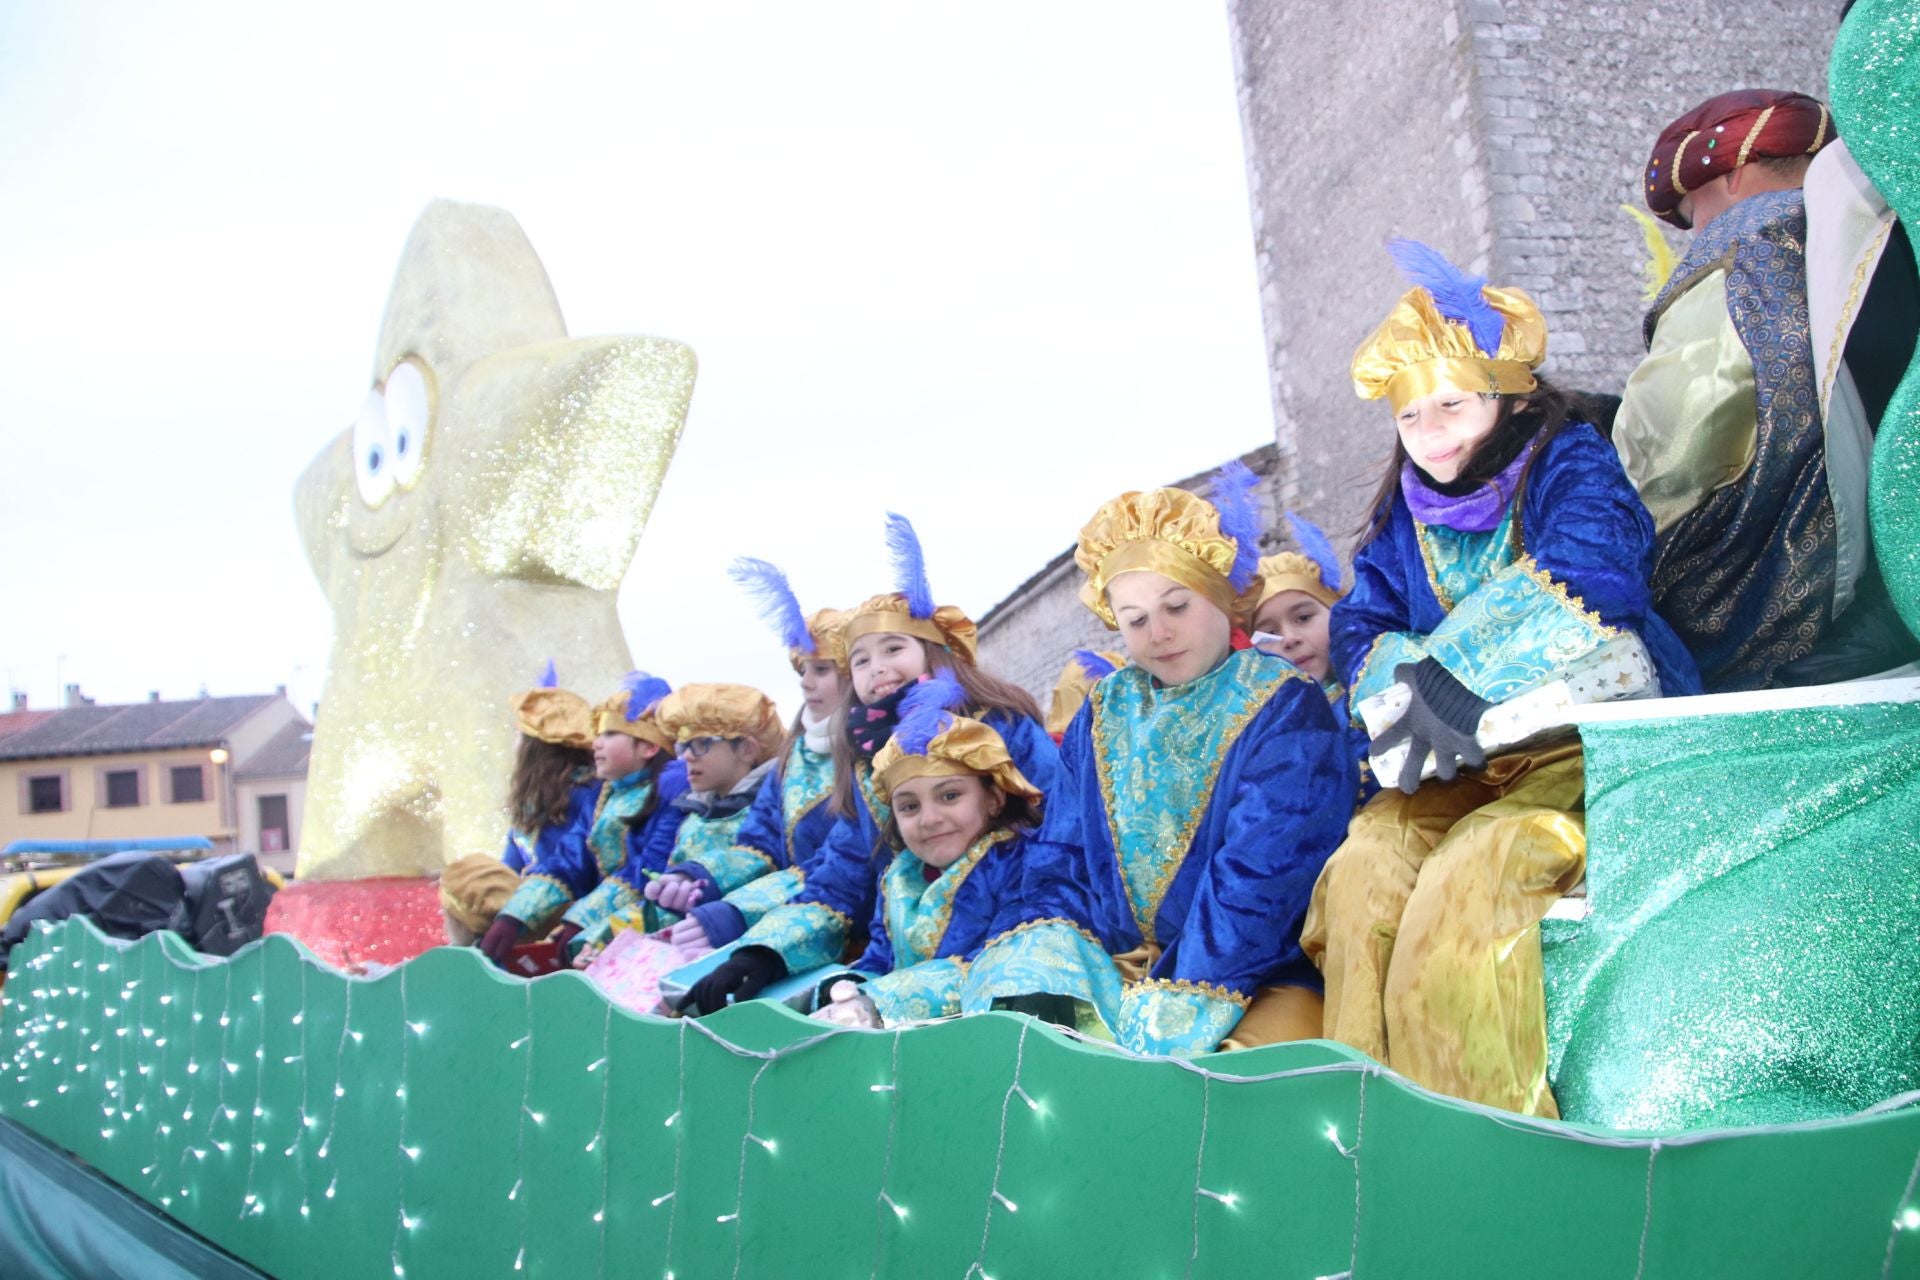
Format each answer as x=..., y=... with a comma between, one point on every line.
x=1733, y=1019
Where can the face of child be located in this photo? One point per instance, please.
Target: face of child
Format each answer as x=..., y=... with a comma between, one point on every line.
x=615, y=755
x=884, y=662
x=718, y=764
x=1301, y=623
x=1172, y=631
x=1441, y=431
x=941, y=818
x=819, y=687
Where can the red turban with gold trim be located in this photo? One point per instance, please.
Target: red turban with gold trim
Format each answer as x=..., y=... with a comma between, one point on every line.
x=1723, y=133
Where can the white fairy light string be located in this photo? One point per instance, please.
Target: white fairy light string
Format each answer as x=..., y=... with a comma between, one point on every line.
x=670, y=1199
x=403, y=1222
x=884, y=1201
x=523, y=1045
x=339, y=1086
x=250, y=1202
x=40, y=1024
x=599, y=1144
x=740, y=1187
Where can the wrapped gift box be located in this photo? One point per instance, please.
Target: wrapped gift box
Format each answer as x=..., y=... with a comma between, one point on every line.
x=632, y=967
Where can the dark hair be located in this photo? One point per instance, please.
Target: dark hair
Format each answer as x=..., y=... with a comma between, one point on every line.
x=985, y=692
x=544, y=775
x=1539, y=415
x=1018, y=814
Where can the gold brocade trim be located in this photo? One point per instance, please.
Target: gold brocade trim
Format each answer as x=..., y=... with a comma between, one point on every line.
x=943, y=914
x=1185, y=986
x=606, y=789
x=1546, y=583
x=1163, y=881
x=1820, y=133
x=1426, y=562
x=555, y=881
x=1062, y=921
x=1753, y=135
x=1673, y=173
x=1360, y=674
x=1495, y=377
x=1846, y=312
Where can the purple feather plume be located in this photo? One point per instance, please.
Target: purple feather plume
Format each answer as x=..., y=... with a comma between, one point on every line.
x=915, y=733
x=643, y=692
x=1456, y=295
x=1232, y=496
x=924, y=712
x=1096, y=667
x=772, y=595
x=1315, y=546
x=549, y=676
x=909, y=566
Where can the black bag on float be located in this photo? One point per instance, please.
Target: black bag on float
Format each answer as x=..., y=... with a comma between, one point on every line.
x=126, y=894
x=226, y=903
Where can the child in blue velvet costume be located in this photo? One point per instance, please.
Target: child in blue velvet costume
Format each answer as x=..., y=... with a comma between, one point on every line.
x=1202, y=787
x=637, y=778
x=1505, y=543
x=551, y=792
x=962, y=815
x=893, y=642
x=790, y=818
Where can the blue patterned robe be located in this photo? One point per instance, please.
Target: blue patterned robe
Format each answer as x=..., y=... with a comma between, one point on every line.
x=1196, y=819
x=615, y=893
x=579, y=866
x=1502, y=610
x=788, y=824
x=924, y=932
x=841, y=880
x=525, y=848
x=1747, y=578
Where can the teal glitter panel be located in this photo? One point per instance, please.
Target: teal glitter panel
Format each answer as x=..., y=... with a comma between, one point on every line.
x=1752, y=951
x=1875, y=82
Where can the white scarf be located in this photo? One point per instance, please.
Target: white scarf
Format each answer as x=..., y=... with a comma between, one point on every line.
x=817, y=732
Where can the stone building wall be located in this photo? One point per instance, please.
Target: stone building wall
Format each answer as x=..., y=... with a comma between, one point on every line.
x=1027, y=636
x=1506, y=133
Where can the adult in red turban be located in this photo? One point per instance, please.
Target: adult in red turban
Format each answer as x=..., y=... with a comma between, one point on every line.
x=1700, y=162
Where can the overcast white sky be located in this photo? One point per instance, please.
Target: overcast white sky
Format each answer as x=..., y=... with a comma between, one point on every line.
x=983, y=263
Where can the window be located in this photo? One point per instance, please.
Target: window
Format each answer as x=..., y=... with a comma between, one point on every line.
x=123, y=788
x=273, y=824
x=189, y=783
x=46, y=794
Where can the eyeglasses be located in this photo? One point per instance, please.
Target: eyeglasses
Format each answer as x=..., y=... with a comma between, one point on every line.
x=694, y=748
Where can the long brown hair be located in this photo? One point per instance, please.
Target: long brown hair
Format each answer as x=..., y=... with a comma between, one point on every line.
x=985, y=692
x=1539, y=415
x=544, y=774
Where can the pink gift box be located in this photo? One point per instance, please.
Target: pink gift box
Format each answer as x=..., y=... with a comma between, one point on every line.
x=630, y=969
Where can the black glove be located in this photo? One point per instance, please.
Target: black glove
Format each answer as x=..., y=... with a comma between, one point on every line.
x=500, y=938
x=1045, y=1006
x=742, y=975
x=1443, y=718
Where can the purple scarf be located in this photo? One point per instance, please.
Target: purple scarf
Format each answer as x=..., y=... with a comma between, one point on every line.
x=1477, y=511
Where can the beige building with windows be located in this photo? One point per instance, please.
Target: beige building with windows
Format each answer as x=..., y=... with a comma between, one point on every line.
x=230, y=769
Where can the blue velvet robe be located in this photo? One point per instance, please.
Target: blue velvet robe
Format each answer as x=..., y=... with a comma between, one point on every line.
x=924, y=932
x=841, y=880
x=789, y=823
x=1195, y=819
x=1501, y=610
x=545, y=844
x=617, y=892
x=578, y=867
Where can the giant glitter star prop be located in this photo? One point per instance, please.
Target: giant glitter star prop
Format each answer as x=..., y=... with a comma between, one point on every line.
x=475, y=520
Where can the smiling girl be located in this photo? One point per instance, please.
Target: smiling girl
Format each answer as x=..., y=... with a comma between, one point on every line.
x=1504, y=542
x=894, y=641
x=961, y=815
x=1202, y=788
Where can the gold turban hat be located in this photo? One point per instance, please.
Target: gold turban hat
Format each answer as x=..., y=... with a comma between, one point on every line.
x=721, y=711
x=639, y=694
x=559, y=716
x=962, y=747
x=825, y=627
x=890, y=614
x=1450, y=331
x=1170, y=532
x=1076, y=682
x=1291, y=571
x=474, y=888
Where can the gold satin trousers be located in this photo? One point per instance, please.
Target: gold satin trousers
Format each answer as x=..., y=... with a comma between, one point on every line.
x=1426, y=925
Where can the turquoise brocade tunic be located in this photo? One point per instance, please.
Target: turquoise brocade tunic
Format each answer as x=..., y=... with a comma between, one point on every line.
x=1192, y=818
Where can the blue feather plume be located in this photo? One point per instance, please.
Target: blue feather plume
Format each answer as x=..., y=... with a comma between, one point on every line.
x=915, y=733
x=549, y=677
x=772, y=595
x=1456, y=295
x=1232, y=496
x=939, y=691
x=643, y=692
x=909, y=566
x=1096, y=667
x=1315, y=546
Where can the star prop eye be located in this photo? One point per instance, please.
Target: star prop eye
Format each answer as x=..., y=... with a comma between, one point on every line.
x=409, y=413
x=373, y=464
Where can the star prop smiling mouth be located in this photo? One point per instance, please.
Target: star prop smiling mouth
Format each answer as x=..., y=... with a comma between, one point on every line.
x=476, y=518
